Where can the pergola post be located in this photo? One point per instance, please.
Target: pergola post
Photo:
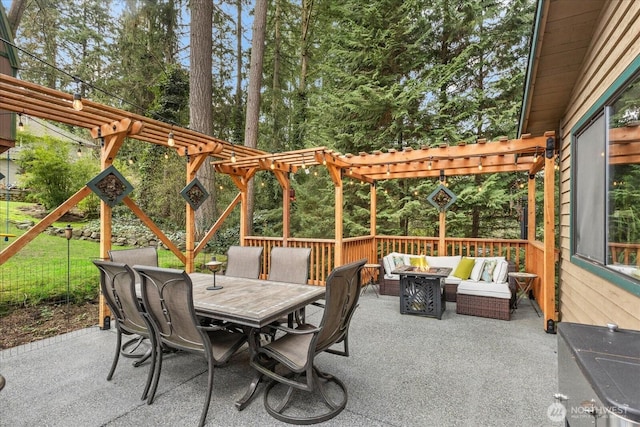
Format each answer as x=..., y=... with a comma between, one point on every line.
x=336, y=176
x=548, y=281
x=531, y=221
x=194, y=162
x=531, y=208
x=285, y=184
x=372, y=215
x=110, y=147
x=442, y=236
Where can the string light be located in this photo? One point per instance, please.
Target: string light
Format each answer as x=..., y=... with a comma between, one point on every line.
x=77, y=98
x=171, y=141
x=388, y=169
x=233, y=155
x=273, y=165
x=166, y=155
x=430, y=165
x=324, y=160
x=480, y=163
x=79, y=152
x=20, y=124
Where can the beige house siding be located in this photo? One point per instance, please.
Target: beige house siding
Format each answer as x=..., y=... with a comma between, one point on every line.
x=586, y=297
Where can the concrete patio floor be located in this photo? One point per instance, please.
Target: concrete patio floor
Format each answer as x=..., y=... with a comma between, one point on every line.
x=404, y=370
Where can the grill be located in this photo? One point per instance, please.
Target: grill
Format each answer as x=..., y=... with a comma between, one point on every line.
x=598, y=376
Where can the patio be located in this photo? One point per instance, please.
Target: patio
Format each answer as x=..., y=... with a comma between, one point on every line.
x=403, y=371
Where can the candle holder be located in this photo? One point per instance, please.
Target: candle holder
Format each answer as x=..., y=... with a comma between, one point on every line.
x=214, y=266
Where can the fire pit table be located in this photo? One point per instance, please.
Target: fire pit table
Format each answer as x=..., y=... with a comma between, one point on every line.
x=422, y=290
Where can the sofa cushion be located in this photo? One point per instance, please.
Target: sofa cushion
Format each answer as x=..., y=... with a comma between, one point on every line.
x=388, y=262
x=452, y=280
x=399, y=260
x=463, y=270
x=487, y=270
x=444, y=261
x=484, y=289
x=476, y=272
x=501, y=271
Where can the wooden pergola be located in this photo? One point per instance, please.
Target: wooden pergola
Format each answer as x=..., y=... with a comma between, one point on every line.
x=528, y=154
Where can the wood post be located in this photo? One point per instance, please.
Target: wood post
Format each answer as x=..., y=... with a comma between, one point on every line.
x=548, y=279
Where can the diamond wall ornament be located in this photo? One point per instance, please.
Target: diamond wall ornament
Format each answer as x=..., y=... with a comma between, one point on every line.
x=110, y=186
x=442, y=198
x=195, y=194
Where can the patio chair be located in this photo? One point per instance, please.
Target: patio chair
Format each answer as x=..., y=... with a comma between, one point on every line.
x=295, y=351
x=244, y=261
x=118, y=287
x=136, y=256
x=290, y=265
x=167, y=294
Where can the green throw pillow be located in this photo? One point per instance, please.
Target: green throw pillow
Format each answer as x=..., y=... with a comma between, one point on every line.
x=463, y=270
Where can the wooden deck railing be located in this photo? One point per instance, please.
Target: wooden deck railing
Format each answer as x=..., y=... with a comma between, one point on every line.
x=625, y=253
x=373, y=248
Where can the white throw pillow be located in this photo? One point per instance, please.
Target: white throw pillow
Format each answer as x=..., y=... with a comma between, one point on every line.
x=477, y=270
x=500, y=272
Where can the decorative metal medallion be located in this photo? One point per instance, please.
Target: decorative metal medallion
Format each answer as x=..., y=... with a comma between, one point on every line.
x=442, y=198
x=110, y=186
x=195, y=194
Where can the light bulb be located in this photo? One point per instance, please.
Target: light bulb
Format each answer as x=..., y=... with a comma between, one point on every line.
x=171, y=141
x=77, y=102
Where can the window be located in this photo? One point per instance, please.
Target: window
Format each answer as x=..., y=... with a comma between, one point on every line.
x=606, y=184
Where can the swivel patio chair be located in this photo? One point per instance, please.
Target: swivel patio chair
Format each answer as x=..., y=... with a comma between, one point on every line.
x=290, y=265
x=295, y=352
x=244, y=261
x=118, y=287
x=167, y=295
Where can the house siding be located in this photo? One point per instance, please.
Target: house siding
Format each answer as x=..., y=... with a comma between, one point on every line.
x=586, y=297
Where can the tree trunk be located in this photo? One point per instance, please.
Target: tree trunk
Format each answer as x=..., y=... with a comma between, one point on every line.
x=200, y=99
x=300, y=115
x=253, y=93
x=237, y=120
x=276, y=98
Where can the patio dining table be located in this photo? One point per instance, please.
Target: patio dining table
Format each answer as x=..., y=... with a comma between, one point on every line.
x=251, y=304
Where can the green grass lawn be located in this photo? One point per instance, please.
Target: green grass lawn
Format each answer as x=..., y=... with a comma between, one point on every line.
x=38, y=272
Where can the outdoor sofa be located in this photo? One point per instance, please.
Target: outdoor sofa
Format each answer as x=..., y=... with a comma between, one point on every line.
x=480, y=286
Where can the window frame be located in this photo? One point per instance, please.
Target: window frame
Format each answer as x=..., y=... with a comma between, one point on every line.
x=600, y=108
